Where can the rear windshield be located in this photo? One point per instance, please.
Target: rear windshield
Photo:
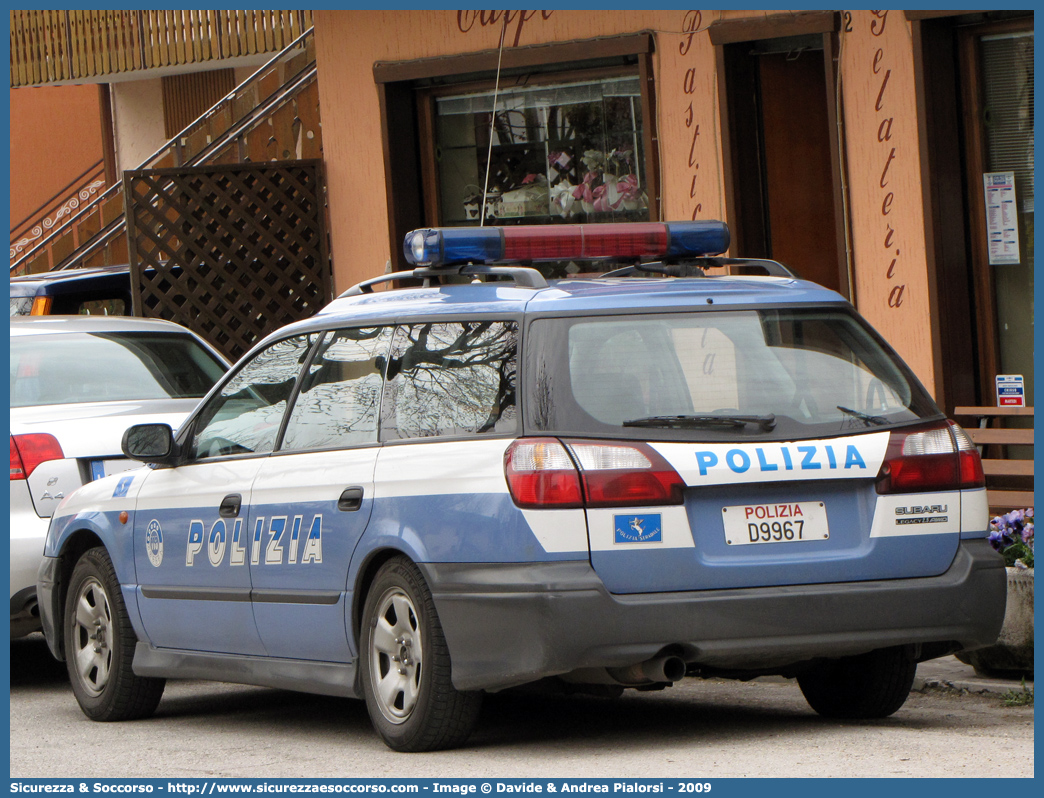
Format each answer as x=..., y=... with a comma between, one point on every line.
x=108, y=367
x=770, y=374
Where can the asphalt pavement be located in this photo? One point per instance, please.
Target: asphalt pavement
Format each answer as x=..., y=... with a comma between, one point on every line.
x=954, y=725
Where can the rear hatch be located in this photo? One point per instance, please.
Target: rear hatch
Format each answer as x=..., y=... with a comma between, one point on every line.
x=797, y=447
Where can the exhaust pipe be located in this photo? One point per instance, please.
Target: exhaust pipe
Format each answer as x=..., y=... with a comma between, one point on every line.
x=668, y=668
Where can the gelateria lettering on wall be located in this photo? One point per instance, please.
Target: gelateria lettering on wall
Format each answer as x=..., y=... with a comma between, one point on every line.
x=513, y=22
x=886, y=120
x=690, y=26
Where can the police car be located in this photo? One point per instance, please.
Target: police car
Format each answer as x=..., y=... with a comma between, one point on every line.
x=690, y=466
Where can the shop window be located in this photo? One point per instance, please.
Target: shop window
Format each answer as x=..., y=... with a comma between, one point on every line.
x=569, y=151
x=572, y=136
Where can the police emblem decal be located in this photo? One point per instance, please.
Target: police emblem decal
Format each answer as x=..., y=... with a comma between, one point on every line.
x=154, y=542
x=637, y=528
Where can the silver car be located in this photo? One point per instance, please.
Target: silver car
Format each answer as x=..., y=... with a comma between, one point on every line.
x=77, y=382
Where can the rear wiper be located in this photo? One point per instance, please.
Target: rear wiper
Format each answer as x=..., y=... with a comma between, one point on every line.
x=877, y=420
x=688, y=422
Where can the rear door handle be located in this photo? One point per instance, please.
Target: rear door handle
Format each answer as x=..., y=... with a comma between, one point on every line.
x=351, y=499
x=230, y=505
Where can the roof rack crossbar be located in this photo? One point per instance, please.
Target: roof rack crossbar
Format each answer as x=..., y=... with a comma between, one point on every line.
x=694, y=267
x=524, y=276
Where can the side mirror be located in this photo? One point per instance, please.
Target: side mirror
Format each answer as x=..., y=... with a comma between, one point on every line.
x=150, y=443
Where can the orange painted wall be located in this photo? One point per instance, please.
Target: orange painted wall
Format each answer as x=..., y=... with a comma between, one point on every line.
x=884, y=178
x=56, y=135
x=688, y=128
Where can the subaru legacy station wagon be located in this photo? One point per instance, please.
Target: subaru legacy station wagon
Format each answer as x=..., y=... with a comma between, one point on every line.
x=687, y=466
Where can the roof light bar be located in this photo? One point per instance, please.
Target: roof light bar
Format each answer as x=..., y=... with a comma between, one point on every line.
x=443, y=246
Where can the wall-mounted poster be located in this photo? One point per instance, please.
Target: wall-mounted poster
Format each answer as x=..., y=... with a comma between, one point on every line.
x=1002, y=227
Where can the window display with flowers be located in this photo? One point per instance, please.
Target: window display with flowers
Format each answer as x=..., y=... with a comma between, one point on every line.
x=560, y=152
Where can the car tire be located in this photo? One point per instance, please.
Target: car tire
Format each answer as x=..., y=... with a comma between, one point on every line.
x=871, y=685
x=99, y=645
x=405, y=666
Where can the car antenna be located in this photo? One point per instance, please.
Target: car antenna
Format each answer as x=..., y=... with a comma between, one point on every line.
x=492, y=120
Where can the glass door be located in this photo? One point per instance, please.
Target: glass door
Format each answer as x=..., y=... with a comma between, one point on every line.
x=997, y=67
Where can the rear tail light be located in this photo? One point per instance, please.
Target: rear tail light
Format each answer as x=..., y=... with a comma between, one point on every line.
x=628, y=475
x=938, y=457
x=972, y=475
x=28, y=451
x=541, y=473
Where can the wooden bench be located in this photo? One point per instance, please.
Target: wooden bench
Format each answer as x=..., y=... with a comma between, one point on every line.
x=1001, y=494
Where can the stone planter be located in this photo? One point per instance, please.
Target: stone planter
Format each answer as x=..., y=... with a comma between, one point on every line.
x=1013, y=652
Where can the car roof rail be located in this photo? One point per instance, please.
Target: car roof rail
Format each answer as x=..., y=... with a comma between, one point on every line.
x=523, y=276
x=696, y=267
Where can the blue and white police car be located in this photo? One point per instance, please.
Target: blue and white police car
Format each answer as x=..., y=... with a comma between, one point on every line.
x=689, y=466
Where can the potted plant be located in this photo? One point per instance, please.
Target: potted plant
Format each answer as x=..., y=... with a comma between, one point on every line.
x=1012, y=535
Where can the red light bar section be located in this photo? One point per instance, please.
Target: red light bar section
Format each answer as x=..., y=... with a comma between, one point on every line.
x=641, y=240
x=585, y=242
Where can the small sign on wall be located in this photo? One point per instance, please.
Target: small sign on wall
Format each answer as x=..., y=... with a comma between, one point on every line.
x=1011, y=390
x=1002, y=218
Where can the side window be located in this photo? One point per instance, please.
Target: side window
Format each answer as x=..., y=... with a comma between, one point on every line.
x=451, y=379
x=340, y=394
x=245, y=416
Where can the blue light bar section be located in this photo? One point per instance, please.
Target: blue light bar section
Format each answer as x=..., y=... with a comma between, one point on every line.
x=697, y=239
x=431, y=247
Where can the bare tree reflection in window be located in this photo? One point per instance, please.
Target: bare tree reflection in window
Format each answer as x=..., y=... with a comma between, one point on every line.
x=452, y=378
x=246, y=414
x=341, y=392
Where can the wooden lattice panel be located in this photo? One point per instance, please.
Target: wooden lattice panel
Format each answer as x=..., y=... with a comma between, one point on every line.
x=231, y=252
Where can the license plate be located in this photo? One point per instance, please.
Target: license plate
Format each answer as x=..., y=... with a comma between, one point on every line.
x=105, y=468
x=790, y=522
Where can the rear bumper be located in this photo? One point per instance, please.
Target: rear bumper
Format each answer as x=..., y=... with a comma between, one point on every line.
x=508, y=624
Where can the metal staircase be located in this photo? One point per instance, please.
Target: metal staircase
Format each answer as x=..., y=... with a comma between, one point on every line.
x=273, y=115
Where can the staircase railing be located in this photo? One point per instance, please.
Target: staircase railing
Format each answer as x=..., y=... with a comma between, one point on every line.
x=63, y=203
x=96, y=234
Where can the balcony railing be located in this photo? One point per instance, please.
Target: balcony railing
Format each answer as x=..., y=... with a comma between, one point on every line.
x=55, y=46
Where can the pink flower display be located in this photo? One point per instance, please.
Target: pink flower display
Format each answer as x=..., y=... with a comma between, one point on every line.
x=602, y=190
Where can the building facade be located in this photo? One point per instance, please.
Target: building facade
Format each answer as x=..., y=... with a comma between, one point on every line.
x=888, y=155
